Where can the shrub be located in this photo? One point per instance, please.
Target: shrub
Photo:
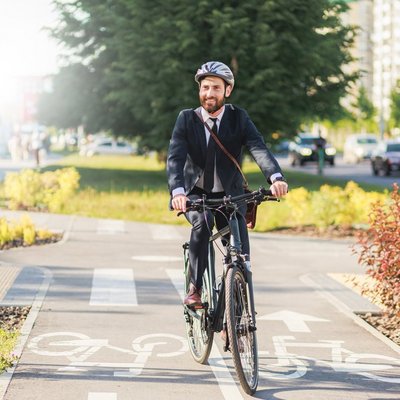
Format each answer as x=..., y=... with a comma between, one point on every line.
x=50, y=190
x=379, y=250
x=330, y=206
x=22, y=232
x=298, y=201
x=23, y=189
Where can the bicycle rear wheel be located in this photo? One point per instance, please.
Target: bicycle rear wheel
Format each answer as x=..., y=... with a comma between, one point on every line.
x=198, y=332
x=241, y=330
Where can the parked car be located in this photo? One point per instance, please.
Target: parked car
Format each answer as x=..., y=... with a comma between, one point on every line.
x=359, y=147
x=386, y=158
x=304, y=149
x=107, y=146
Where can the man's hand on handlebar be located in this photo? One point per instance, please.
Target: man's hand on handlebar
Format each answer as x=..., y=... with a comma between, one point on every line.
x=279, y=188
x=179, y=202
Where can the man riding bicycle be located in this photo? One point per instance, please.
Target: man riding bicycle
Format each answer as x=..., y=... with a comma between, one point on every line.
x=197, y=166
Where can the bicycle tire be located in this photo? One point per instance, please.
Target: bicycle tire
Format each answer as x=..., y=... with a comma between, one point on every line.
x=241, y=330
x=200, y=336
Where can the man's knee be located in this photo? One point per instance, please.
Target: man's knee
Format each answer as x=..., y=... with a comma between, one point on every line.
x=203, y=222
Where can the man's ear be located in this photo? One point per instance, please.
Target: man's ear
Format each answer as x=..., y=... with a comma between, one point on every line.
x=228, y=90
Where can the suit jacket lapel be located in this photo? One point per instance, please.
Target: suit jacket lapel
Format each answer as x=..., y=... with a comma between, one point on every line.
x=200, y=133
x=223, y=126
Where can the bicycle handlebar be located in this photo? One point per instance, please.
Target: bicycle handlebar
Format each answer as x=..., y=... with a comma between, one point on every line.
x=257, y=196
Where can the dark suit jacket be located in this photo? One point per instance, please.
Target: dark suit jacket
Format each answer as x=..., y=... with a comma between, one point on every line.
x=187, y=150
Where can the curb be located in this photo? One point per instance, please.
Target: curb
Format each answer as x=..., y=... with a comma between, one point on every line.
x=349, y=312
x=5, y=377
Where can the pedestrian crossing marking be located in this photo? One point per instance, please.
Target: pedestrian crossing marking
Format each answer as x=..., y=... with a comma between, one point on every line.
x=110, y=227
x=165, y=232
x=113, y=287
x=102, y=396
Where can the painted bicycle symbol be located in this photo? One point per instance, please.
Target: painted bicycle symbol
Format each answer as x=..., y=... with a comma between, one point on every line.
x=78, y=348
x=373, y=366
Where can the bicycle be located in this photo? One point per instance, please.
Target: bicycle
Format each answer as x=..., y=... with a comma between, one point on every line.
x=227, y=301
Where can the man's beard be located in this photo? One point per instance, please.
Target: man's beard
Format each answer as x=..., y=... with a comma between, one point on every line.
x=212, y=108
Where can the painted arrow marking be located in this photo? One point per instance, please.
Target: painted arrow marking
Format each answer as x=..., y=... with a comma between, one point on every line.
x=295, y=322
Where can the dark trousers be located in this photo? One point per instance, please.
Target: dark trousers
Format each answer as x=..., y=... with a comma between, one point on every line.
x=202, y=225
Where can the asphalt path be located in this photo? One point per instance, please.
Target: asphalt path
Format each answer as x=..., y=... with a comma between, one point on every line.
x=107, y=320
x=361, y=172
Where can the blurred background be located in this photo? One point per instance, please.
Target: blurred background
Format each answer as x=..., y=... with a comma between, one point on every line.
x=111, y=76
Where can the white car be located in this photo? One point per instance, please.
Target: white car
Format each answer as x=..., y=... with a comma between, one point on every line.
x=359, y=147
x=107, y=146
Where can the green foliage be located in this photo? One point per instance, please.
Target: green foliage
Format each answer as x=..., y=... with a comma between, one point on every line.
x=365, y=108
x=31, y=189
x=379, y=251
x=395, y=105
x=8, y=342
x=361, y=118
x=22, y=232
x=140, y=57
x=328, y=206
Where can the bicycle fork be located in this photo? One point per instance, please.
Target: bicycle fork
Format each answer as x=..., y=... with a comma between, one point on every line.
x=250, y=293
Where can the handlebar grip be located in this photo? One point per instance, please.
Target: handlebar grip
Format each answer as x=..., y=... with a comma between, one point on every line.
x=266, y=192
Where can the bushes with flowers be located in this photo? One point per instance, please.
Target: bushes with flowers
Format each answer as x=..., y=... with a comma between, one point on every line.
x=23, y=232
x=328, y=207
x=32, y=190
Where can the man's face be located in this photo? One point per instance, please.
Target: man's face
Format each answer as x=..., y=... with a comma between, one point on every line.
x=212, y=93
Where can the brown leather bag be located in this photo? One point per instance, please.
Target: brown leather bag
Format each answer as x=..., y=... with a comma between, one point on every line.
x=251, y=212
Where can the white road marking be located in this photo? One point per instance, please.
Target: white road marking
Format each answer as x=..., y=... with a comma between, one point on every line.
x=113, y=287
x=226, y=383
x=157, y=258
x=164, y=232
x=5, y=377
x=110, y=227
x=344, y=309
x=81, y=348
x=296, y=322
x=102, y=396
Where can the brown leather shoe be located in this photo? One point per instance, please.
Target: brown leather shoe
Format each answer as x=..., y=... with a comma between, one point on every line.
x=193, y=298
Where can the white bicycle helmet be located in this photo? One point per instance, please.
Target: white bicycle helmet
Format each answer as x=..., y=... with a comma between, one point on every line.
x=215, y=68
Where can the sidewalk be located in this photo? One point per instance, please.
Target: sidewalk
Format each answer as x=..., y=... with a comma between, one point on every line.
x=305, y=317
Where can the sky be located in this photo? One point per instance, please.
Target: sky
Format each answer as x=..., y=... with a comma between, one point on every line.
x=25, y=49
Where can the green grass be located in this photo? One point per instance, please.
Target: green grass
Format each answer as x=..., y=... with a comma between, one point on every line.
x=120, y=174
x=300, y=179
x=135, y=188
x=118, y=187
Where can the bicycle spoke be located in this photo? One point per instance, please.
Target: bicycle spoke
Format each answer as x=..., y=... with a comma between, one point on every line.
x=241, y=330
x=199, y=334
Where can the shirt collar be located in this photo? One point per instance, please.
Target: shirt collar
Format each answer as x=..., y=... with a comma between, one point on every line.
x=207, y=116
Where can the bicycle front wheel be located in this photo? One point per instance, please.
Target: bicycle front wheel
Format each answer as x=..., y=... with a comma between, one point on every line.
x=241, y=330
x=198, y=330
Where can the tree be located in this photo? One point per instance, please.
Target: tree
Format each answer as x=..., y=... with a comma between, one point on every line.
x=287, y=55
x=395, y=105
x=365, y=108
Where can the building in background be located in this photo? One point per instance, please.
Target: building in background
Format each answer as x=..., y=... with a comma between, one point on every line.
x=360, y=14
x=386, y=41
x=377, y=49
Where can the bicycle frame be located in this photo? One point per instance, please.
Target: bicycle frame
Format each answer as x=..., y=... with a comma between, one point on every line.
x=233, y=256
